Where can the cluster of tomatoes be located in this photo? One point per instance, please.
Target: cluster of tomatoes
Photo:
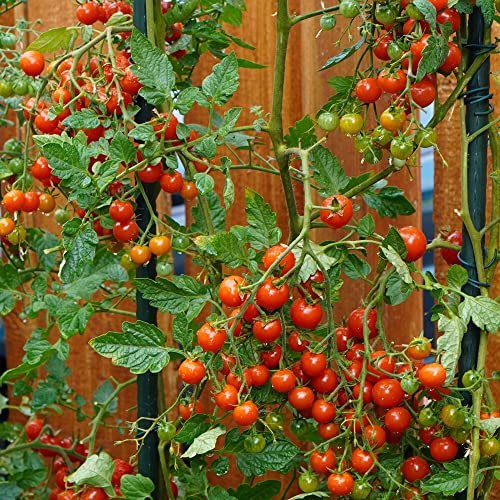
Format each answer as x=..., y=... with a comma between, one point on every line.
x=55, y=448
x=401, y=46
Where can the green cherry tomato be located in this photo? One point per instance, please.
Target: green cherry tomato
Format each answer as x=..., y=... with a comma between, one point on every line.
x=471, y=379
x=362, y=142
x=410, y=384
x=468, y=422
x=426, y=138
x=361, y=490
x=327, y=22
x=490, y=447
x=17, y=236
x=381, y=136
x=166, y=431
x=401, y=148
x=351, y=123
x=164, y=268
x=21, y=87
x=7, y=40
x=308, y=482
x=349, y=8
x=16, y=166
x=300, y=428
x=373, y=155
x=12, y=146
x=254, y=443
x=414, y=13
x=398, y=163
x=62, y=215
x=394, y=51
x=386, y=13
x=426, y=417
x=5, y=89
x=452, y=416
x=328, y=121
x=460, y=435
x=275, y=421
x=180, y=242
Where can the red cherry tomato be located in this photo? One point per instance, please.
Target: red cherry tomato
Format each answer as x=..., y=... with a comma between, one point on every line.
x=32, y=62
x=340, y=484
x=388, y=393
x=322, y=463
x=313, y=364
x=449, y=255
x=192, y=371
x=304, y=315
x=432, y=375
x=210, y=339
x=397, y=419
x=362, y=461
x=267, y=332
x=283, y=380
x=367, y=90
x=415, y=468
x=392, y=82
x=341, y=216
x=415, y=242
x=355, y=323
x=270, y=297
x=229, y=291
x=301, y=398
x=246, y=413
x=273, y=253
x=444, y=449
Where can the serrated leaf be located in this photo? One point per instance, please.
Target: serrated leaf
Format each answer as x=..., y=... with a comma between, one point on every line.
x=223, y=82
x=143, y=132
x=328, y=173
x=316, y=494
x=121, y=149
x=219, y=493
x=452, y=480
x=397, y=291
x=186, y=99
x=399, y=265
x=449, y=343
x=262, y=232
x=265, y=490
x=220, y=467
x=356, y=268
x=192, y=428
x=140, y=348
x=223, y=247
x=393, y=240
x=54, y=39
x=228, y=193
x=217, y=213
x=207, y=148
x=434, y=53
x=366, y=226
x=457, y=277
x=181, y=332
x=483, y=311
x=180, y=294
x=40, y=241
x=86, y=118
x=488, y=10
x=204, y=443
x=344, y=54
x=428, y=11
x=204, y=182
x=80, y=241
x=153, y=69
x=230, y=118
x=180, y=12
x=389, y=202
x=97, y=471
x=136, y=487
x=302, y=134
x=490, y=425
x=75, y=321
x=276, y=456
x=9, y=490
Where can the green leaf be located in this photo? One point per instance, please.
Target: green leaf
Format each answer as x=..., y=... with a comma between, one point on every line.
x=136, y=487
x=223, y=247
x=328, y=173
x=192, y=428
x=245, y=63
x=449, y=343
x=180, y=294
x=153, y=69
x=344, y=54
x=428, y=10
x=457, y=276
x=223, y=82
x=435, y=52
x=488, y=9
x=217, y=213
x=452, y=480
x=80, y=242
x=75, y=321
x=204, y=182
x=86, y=118
x=54, y=39
x=308, y=496
x=182, y=333
x=9, y=490
x=96, y=471
x=265, y=490
x=490, y=425
x=461, y=6
x=220, y=467
x=230, y=118
x=399, y=265
x=389, y=202
x=366, y=226
x=393, y=240
x=121, y=148
x=186, y=99
x=302, y=134
x=102, y=394
x=207, y=148
x=276, y=456
x=143, y=132
x=40, y=241
x=228, y=193
x=262, y=232
x=204, y=443
x=483, y=311
x=140, y=348
x=219, y=493
x=356, y=268
x=397, y=291
x=28, y=469
x=180, y=12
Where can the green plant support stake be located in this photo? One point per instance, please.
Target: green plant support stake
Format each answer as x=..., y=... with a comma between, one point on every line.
x=147, y=383
x=477, y=110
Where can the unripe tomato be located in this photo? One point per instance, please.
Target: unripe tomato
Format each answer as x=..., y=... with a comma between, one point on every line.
x=308, y=482
x=254, y=443
x=351, y=123
x=327, y=22
x=393, y=119
x=349, y=8
x=166, y=431
x=328, y=121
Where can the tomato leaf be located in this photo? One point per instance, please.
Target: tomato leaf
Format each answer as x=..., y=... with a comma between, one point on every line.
x=86, y=118
x=223, y=82
x=397, y=290
x=328, y=173
x=265, y=490
x=394, y=241
x=140, y=347
x=302, y=134
x=54, y=39
x=457, y=276
x=399, y=265
x=488, y=9
x=434, y=53
x=182, y=333
x=483, y=311
x=217, y=213
x=449, y=343
x=207, y=148
x=461, y=6
x=9, y=490
x=366, y=226
x=153, y=69
x=344, y=54
x=490, y=425
x=136, y=487
x=452, y=480
x=230, y=118
x=428, y=10
x=220, y=467
x=180, y=12
x=389, y=202
x=192, y=428
x=355, y=268
x=121, y=149
x=204, y=443
x=262, y=231
x=306, y=496
x=219, y=493
x=181, y=294
x=204, y=182
x=223, y=247
x=276, y=456
x=95, y=471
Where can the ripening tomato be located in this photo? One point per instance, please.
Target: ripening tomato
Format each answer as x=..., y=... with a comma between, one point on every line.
x=341, y=212
x=32, y=62
x=393, y=119
x=415, y=468
x=415, y=242
x=246, y=413
x=229, y=291
x=448, y=254
x=393, y=82
x=159, y=245
x=192, y=371
x=270, y=297
x=210, y=339
x=267, y=331
x=432, y=375
x=351, y=123
x=368, y=90
x=323, y=463
x=340, y=483
x=419, y=348
x=388, y=393
x=272, y=254
x=304, y=315
x=189, y=191
x=7, y=225
x=140, y=254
